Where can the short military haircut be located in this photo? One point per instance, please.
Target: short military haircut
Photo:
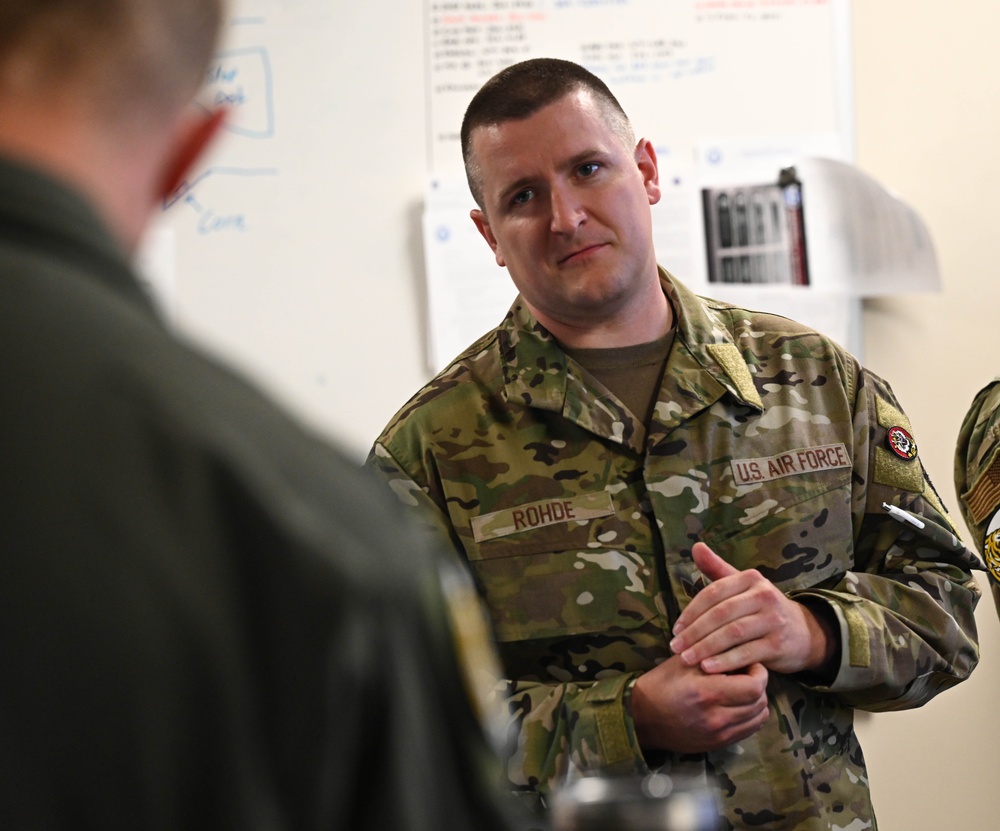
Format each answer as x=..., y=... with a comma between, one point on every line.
x=120, y=56
x=521, y=90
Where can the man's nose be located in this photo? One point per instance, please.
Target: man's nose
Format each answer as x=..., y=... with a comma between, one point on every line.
x=567, y=211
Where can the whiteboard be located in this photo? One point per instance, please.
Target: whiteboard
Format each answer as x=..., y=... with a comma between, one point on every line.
x=296, y=248
x=698, y=77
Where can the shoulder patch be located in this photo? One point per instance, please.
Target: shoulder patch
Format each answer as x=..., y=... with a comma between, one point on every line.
x=892, y=467
x=901, y=443
x=732, y=362
x=991, y=547
x=983, y=497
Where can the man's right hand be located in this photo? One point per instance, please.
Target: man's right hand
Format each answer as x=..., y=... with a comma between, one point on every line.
x=684, y=710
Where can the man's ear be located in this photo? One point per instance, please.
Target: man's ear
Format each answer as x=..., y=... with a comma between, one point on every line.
x=645, y=159
x=483, y=224
x=194, y=133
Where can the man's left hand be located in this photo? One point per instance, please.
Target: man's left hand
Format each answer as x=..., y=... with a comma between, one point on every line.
x=741, y=618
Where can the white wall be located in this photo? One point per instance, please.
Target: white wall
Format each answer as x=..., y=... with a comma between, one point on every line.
x=927, y=81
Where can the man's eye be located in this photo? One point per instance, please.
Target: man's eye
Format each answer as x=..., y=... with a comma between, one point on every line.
x=522, y=197
x=588, y=169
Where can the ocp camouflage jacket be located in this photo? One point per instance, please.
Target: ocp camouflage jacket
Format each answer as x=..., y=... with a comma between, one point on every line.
x=770, y=443
x=977, y=477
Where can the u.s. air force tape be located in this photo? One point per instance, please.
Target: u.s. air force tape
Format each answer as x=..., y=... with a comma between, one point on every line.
x=790, y=463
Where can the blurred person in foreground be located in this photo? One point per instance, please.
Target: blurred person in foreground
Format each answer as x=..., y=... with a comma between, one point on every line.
x=977, y=478
x=208, y=619
x=703, y=532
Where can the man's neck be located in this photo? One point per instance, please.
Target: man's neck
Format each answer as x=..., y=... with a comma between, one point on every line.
x=111, y=170
x=647, y=319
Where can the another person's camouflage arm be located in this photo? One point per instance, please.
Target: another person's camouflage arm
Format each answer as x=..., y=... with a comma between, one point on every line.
x=977, y=478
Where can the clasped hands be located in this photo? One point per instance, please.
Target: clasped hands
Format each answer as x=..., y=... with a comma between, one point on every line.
x=713, y=690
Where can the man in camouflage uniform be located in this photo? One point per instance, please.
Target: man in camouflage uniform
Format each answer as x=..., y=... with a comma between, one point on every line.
x=673, y=507
x=977, y=477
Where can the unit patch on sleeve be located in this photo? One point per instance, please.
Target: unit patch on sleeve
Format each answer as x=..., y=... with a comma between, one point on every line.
x=895, y=457
x=790, y=463
x=991, y=546
x=901, y=443
x=983, y=497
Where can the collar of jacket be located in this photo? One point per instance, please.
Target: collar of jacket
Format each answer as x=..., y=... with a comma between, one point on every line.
x=36, y=208
x=705, y=364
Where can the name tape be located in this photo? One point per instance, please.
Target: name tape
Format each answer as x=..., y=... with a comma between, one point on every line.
x=542, y=513
x=790, y=463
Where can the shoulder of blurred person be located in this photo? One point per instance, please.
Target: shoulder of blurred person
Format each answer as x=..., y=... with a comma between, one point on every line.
x=211, y=619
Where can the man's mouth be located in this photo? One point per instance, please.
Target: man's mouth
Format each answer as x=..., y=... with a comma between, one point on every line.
x=581, y=253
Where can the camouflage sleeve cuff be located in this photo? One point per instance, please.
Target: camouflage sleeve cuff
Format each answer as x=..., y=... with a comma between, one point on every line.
x=865, y=678
x=605, y=722
x=841, y=669
x=601, y=732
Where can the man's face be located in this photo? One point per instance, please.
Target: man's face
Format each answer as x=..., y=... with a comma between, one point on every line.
x=566, y=210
